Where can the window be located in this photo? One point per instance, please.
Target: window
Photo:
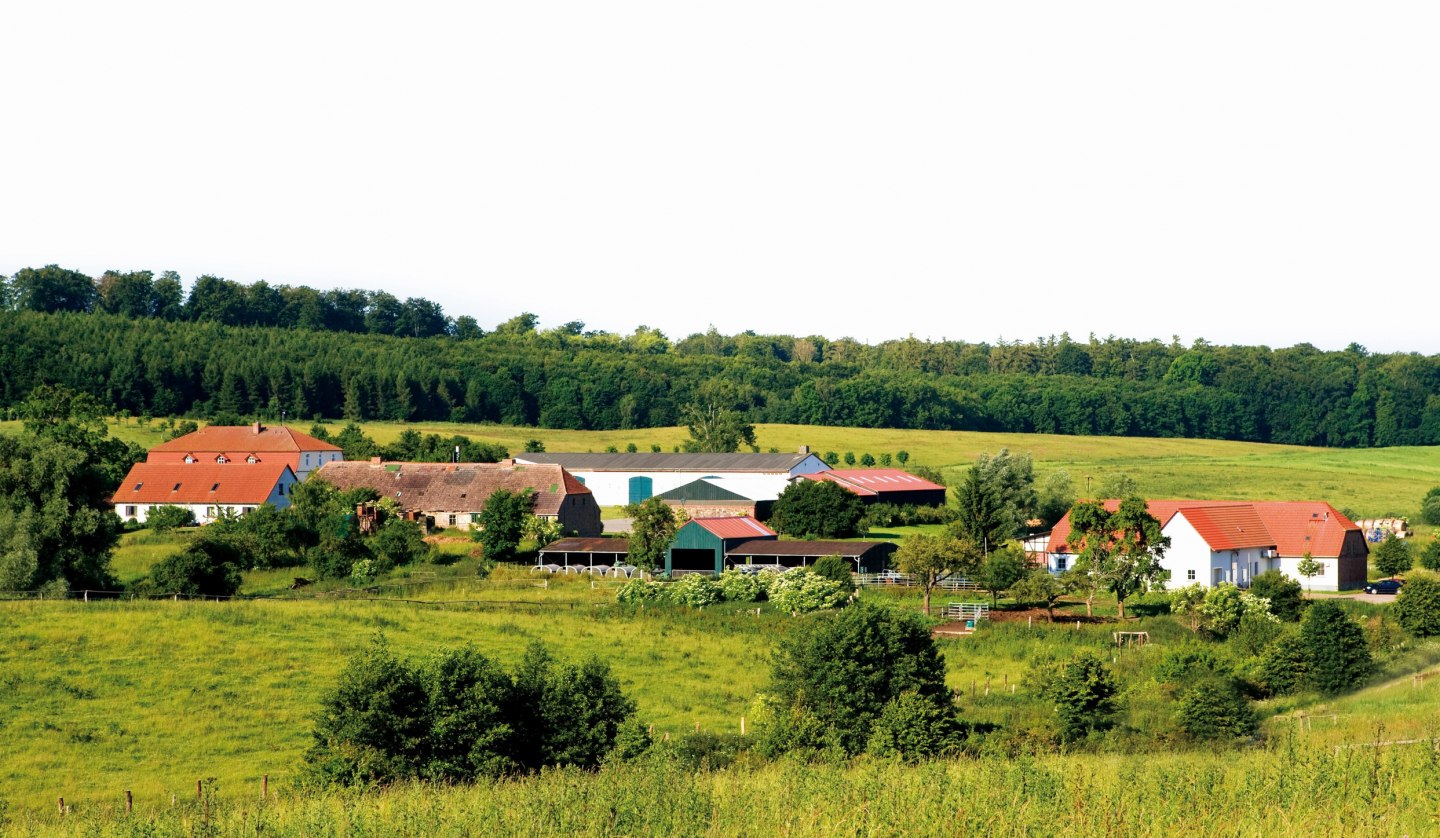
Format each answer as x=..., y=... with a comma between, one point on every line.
x=175, y=488
x=215, y=487
x=452, y=519
x=246, y=509
x=189, y=458
x=138, y=485
x=1060, y=562
x=252, y=459
x=1190, y=575
x=221, y=459
x=129, y=512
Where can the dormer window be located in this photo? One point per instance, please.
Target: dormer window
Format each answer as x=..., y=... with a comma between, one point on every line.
x=221, y=459
x=189, y=458
x=252, y=459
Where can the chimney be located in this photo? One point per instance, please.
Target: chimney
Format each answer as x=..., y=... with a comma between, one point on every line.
x=375, y=461
x=255, y=428
x=804, y=449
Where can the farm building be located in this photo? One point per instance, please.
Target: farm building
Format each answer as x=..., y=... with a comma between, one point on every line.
x=585, y=552
x=257, y=443
x=453, y=494
x=716, y=498
x=620, y=479
x=702, y=543
x=884, y=485
x=866, y=556
x=1235, y=541
x=208, y=490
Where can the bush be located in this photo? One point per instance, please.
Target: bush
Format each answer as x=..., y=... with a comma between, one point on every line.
x=640, y=590
x=817, y=509
x=459, y=717
x=1287, y=600
x=1284, y=666
x=832, y=677
x=400, y=542
x=1255, y=634
x=1417, y=608
x=1215, y=709
x=913, y=726
x=1225, y=605
x=167, y=518
x=1335, y=649
x=207, y=567
x=694, y=590
x=835, y=569
x=1430, y=555
x=1430, y=507
x=801, y=591
x=737, y=586
x=1393, y=557
x=1082, y=690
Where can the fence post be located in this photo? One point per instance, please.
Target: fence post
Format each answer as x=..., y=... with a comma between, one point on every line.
x=128, y=802
x=86, y=595
x=742, y=725
x=199, y=789
x=60, y=805
x=264, y=786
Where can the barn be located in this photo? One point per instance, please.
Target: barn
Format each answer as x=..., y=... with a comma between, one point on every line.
x=702, y=544
x=884, y=485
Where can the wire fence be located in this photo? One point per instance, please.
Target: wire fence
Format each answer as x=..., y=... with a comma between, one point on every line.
x=893, y=579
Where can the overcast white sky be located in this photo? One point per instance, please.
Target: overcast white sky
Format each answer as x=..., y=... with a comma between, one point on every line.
x=1247, y=172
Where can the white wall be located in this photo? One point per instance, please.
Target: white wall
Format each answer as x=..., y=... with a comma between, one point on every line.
x=207, y=512
x=308, y=461
x=1326, y=580
x=612, y=488
x=1189, y=553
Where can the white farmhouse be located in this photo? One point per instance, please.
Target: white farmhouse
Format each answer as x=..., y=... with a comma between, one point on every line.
x=620, y=479
x=208, y=490
x=1234, y=541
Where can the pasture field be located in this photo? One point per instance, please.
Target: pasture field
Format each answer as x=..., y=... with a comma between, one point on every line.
x=1367, y=481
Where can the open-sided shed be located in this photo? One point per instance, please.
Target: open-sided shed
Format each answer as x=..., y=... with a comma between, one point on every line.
x=866, y=556
x=701, y=545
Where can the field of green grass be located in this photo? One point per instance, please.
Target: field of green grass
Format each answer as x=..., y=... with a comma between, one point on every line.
x=1375, y=481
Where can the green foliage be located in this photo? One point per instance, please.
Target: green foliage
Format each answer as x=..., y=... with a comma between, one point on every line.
x=1285, y=665
x=842, y=670
x=931, y=559
x=1309, y=567
x=639, y=590
x=1430, y=555
x=652, y=528
x=1000, y=570
x=694, y=590
x=831, y=458
x=1417, y=608
x=400, y=542
x=1040, y=587
x=1287, y=601
x=1393, y=557
x=817, y=509
x=1054, y=498
x=867, y=460
x=1083, y=691
x=850, y=458
x=1430, y=507
x=1119, y=551
x=1216, y=709
x=835, y=569
x=800, y=591
x=458, y=717
x=1255, y=634
x=166, y=518
x=207, y=567
x=715, y=430
x=1225, y=605
x=914, y=726
x=1335, y=649
x=502, y=524
x=737, y=586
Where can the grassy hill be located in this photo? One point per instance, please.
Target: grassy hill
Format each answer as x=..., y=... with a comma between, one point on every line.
x=1366, y=481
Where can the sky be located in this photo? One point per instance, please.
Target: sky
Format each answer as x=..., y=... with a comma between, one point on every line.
x=1244, y=172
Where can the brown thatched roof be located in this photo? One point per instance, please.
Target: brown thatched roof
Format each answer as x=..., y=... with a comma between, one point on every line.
x=455, y=487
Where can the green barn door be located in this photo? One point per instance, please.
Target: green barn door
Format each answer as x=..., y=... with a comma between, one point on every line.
x=641, y=488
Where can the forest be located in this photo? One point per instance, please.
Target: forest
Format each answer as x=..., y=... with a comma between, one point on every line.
x=226, y=350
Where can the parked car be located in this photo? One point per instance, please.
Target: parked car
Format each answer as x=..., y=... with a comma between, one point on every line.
x=1385, y=586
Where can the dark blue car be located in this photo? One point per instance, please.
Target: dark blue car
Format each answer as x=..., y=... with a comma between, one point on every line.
x=1384, y=586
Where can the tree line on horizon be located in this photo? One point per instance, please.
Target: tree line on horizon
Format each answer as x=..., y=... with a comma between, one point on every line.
x=142, y=344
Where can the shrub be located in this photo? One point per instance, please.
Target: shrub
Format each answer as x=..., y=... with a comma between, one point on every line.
x=1430, y=507
x=1417, y=608
x=1284, y=666
x=817, y=509
x=167, y=518
x=1286, y=598
x=1225, y=605
x=1255, y=634
x=914, y=726
x=502, y=523
x=1082, y=690
x=835, y=569
x=373, y=724
x=1393, y=557
x=801, y=591
x=207, y=567
x=1334, y=647
x=400, y=542
x=1215, y=709
x=1430, y=555
x=640, y=590
x=737, y=586
x=694, y=590
x=833, y=676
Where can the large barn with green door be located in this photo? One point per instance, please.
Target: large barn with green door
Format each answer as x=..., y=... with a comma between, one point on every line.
x=700, y=546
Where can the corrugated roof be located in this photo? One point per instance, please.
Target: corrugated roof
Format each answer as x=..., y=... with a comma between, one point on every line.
x=1293, y=527
x=455, y=487
x=734, y=526
x=227, y=438
x=193, y=483
x=588, y=545
x=702, y=490
x=644, y=461
x=846, y=549
x=875, y=481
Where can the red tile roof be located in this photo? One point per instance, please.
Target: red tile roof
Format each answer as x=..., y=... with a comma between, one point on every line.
x=455, y=487
x=229, y=438
x=875, y=481
x=231, y=483
x=736, y=526
x=1292, y=527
